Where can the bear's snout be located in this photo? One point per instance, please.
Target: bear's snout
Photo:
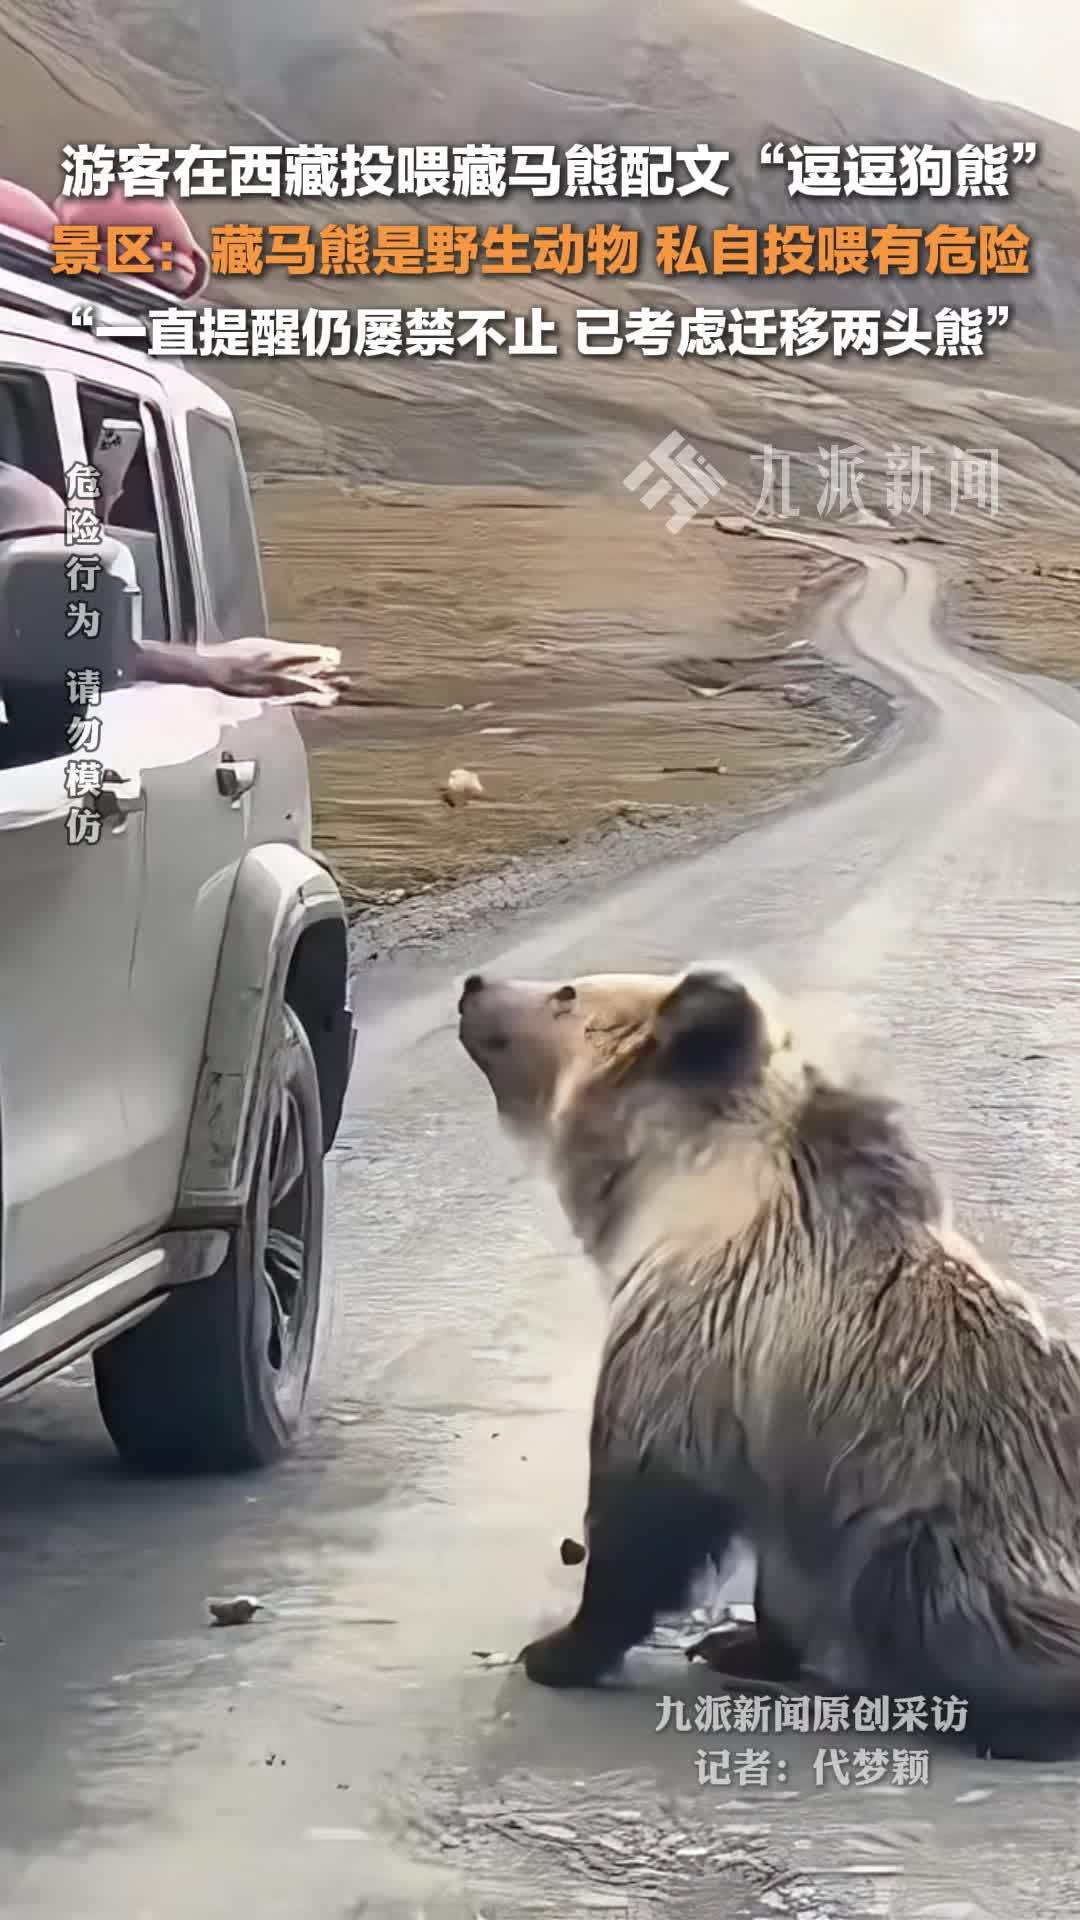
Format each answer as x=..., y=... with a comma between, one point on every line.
x=473, y=985
x=483, y=1017
x=508, y=1030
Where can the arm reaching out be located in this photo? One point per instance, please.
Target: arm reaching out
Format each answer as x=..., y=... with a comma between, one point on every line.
x=249, y=670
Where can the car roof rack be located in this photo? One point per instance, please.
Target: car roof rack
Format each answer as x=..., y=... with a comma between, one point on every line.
x=29, y=285
x=32, y=259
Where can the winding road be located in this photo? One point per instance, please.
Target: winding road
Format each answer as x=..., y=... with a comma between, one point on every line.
x=350, y=1755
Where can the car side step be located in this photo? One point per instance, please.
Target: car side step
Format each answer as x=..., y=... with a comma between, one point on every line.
x=53, y=1336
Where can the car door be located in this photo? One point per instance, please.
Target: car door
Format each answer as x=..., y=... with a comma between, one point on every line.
x=67, y=931
x=191, y=748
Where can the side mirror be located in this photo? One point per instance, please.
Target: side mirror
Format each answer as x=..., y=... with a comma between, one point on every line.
x=117, y=443
x=38, y=649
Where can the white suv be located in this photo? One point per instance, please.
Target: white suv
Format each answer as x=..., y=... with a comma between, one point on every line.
x=175, y=1031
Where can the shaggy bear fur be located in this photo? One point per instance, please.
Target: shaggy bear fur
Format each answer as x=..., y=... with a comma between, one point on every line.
x=801, y=1354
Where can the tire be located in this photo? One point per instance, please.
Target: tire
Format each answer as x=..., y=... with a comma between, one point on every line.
x=215, y=1379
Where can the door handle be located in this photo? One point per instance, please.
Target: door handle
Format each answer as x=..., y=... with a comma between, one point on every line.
x=116, y=798
x=235, y=777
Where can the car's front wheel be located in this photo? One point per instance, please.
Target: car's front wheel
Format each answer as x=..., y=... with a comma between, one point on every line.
x=215, y=1379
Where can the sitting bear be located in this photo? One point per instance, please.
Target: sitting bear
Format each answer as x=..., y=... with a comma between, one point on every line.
x=802, y=1355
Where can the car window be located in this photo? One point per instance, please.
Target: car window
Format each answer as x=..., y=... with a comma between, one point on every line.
x=29, y=441
x=28, y=436
x=137, y=516
x=227, y=545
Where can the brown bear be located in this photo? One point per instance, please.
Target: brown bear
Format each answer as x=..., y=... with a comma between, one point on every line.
x=801, y=1355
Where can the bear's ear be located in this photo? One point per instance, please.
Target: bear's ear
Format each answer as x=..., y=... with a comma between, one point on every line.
x=709, y=1030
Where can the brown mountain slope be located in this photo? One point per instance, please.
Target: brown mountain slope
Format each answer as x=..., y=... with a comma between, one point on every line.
x=124, y=69
x=546, y=642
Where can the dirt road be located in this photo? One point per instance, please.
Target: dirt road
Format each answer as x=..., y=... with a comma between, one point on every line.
x=350, y=1755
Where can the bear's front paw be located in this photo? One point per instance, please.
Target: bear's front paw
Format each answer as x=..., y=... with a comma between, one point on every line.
x=565, y=1659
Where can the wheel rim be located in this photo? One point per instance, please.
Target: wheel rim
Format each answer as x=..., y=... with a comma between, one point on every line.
x=284, y=1253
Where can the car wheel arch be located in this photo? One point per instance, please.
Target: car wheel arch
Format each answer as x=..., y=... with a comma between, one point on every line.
x=316, y=988
x=285, y=942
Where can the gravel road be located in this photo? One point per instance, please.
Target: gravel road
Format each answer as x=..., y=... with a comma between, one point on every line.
x=349, y=1754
